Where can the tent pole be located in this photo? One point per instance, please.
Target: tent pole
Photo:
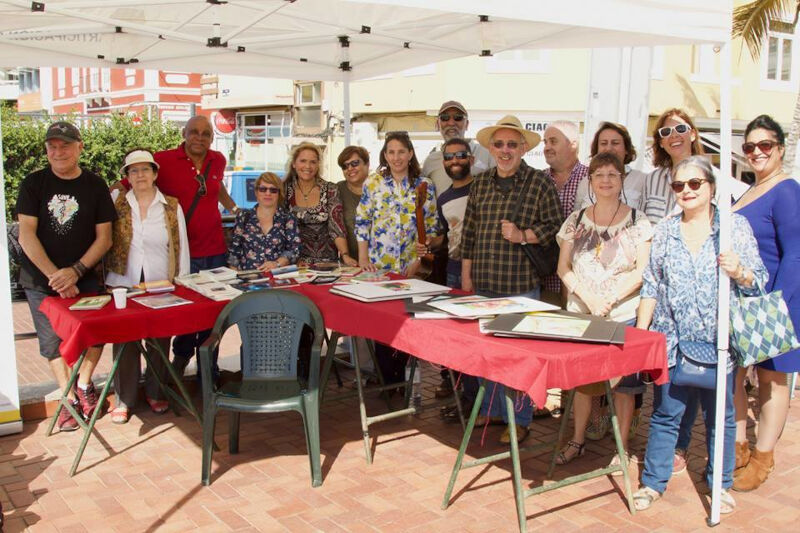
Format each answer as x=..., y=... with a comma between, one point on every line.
x=723, y=320
x=347, y=125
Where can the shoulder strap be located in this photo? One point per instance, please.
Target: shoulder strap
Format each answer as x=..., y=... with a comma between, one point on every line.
x=524, y=191
x=580, y=216
x=200, y=186
x=633, y=216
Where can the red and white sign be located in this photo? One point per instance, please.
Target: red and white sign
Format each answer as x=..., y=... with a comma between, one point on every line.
x=224, y=121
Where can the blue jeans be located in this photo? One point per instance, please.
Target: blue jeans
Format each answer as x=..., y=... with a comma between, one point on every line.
x=496, y=393
x=687, y=422
x=669, y=405
x=185, y=345
x=453, y=280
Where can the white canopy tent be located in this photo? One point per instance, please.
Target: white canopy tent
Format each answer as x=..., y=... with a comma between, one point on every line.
x=343, y=40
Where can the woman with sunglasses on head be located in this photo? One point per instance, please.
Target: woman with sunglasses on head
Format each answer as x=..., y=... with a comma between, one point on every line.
x=679, y=299
x=354, y=162
x=604, y=250
x=316, y=205
x=386, y=227
x=772, y=205
x=266, y=236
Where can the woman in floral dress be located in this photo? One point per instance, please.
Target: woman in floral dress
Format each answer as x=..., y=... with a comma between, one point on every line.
x=604, y=250
x=266, y=236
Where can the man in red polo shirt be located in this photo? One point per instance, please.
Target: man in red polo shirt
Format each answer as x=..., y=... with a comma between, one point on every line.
x=193, y=174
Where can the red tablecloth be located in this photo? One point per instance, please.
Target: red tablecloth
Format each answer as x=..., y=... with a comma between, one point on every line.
x=528, y=365
x=81, y=329
x=524, y=364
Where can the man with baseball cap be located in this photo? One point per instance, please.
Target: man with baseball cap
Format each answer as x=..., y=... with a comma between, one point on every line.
x=65, y=215
x=493, y=261
x=452, y=122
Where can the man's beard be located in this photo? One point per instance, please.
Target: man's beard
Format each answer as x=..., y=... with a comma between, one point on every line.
x=462, y=174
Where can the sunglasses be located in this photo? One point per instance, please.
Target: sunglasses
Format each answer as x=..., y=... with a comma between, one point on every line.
x=263, y=189
x=512, y=145
x=351, y=164
x=765, y=146
x=694, y=184
x=445, y=117
x=449, y=156
x=201, y=189
x=666, y=131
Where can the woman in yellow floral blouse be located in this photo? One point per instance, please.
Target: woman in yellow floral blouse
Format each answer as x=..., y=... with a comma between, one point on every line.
x=386, y=227
x=385, y=218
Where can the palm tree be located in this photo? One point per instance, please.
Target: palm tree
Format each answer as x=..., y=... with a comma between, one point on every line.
x=751, y=23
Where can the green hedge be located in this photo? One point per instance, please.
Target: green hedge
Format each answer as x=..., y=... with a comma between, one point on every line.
x=106, y=140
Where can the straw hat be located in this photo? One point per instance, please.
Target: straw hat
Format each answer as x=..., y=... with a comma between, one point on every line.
x=138, y=156
x=509, y=122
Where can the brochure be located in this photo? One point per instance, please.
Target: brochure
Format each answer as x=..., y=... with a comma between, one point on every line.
x=90, y=303
x=161, y=301
x=469, y=306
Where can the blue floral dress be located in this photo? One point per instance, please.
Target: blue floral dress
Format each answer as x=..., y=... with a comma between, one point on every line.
x=250, y=247
x=386, y=219
x=685, y=286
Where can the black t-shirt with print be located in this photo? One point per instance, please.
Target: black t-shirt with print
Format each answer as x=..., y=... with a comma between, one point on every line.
x=67, y=212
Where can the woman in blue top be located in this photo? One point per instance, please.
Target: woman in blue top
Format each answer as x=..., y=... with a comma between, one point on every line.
x=772, y=206
x=679, y=299
x=266, y=236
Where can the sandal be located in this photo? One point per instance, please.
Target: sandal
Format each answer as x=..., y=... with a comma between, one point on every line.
x=158, y=406
x=119, y=415
x=615, y=461
x=644, y=498
x=563, y=458
x=544, y=412
x=726, y=502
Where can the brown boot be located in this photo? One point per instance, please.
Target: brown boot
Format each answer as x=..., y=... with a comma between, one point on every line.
x=756, y=471
x=742, y=457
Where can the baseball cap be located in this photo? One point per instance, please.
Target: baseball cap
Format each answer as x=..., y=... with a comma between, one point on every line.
x=64, y=131
x=453, y=104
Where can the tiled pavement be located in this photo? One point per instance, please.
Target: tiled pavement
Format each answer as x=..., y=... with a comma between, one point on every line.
x=145, y=476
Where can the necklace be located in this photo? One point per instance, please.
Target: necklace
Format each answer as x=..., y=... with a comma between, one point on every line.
x=774, y=175
x=601, y=237
x=305, y=194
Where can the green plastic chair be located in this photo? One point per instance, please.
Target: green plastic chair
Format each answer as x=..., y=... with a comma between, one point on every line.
x=271, y=324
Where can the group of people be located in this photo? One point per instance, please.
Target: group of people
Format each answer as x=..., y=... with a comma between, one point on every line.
x=611, y=241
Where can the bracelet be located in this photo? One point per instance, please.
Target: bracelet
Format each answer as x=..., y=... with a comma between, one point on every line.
x=79, y=268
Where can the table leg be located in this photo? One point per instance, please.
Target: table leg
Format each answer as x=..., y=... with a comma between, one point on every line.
x=63, y=402
x=457, y=398
x=361, y=406
x=464, y=442
x=326, y=367
x=516, y=470
x=562, y=428
x=623, y=457
x=87, y=430
x=184, y=400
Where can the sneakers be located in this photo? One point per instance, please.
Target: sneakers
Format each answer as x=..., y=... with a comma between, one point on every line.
x=87, y=399
x=679, y=461
x=66, y=422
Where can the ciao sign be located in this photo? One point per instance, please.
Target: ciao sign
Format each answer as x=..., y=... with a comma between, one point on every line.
x=537, y=127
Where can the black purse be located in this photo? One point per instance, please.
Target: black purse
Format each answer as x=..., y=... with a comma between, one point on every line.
x=544, y=259
x=690, y=371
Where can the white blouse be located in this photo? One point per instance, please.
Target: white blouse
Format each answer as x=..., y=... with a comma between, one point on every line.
x=149, y=244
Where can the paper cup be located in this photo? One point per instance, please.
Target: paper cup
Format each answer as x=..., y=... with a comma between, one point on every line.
x=120, y=297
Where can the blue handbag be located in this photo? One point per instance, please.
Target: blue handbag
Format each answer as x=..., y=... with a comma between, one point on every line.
x=697, y=366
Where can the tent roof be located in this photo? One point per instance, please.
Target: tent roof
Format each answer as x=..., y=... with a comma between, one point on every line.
x=301, y=39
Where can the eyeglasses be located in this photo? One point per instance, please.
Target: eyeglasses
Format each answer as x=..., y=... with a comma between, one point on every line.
x=601, y=176
x=144, y=170
x=445, y=117
x=264, y=188
x=351, y=164
x=666, y=131
x=461, y=154
x=694, y=184
x=512, y=145
x=765, y=146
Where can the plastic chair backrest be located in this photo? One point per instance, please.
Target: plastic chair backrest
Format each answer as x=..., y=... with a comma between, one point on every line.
x=271, y=325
